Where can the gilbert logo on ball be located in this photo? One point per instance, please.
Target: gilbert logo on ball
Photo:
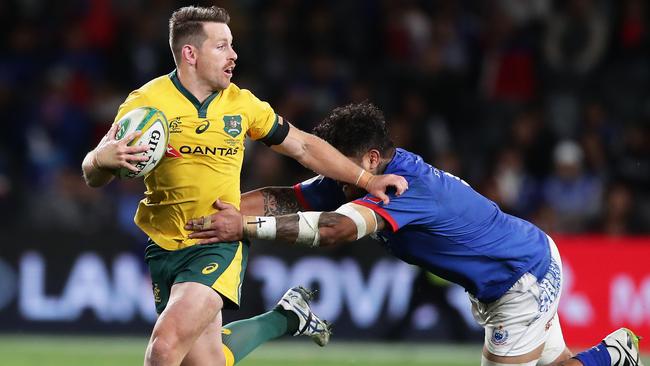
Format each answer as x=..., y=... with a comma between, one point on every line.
x=155, y=134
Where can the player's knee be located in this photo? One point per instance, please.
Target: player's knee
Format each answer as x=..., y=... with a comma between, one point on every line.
x=161, y=351
x=220, y=358
x=214, y=303
x=200, y=299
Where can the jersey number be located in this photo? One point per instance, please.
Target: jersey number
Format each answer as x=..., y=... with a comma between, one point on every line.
x=455, y=177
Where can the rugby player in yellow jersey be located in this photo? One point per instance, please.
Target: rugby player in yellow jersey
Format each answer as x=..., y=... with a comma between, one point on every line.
x=209, y=118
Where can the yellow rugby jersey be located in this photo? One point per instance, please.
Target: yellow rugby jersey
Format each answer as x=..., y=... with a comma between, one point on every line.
x=204, y=156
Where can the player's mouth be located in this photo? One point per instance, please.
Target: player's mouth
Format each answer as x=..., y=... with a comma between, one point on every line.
x=228, y=70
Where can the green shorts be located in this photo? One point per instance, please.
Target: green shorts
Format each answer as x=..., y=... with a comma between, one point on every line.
x=220, y=266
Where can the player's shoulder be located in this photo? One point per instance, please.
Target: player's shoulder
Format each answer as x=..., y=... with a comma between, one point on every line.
x=155, y=86
x=407, y=164
x=234, y=92
x=154, y=93
x=151, y=91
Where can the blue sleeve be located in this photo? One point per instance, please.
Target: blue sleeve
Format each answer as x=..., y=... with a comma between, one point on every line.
x=319, y=194
x=414, y=206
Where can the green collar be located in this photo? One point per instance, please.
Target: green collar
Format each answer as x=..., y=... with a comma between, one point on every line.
x=201, y=108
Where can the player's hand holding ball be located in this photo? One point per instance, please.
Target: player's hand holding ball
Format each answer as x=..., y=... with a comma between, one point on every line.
x=135, y=145
x=113, y=154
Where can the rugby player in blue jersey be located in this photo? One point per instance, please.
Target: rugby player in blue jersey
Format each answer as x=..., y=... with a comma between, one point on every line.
x=511, y=269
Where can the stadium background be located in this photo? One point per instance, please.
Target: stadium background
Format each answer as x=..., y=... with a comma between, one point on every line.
x=543, y=106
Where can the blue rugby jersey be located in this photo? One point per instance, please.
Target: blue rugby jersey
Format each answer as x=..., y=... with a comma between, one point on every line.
x=442, y=225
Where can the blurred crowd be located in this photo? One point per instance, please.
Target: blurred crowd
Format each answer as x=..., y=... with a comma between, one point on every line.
x=543, y=106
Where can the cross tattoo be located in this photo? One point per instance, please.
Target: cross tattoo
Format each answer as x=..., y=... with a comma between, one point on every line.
x=258, y=222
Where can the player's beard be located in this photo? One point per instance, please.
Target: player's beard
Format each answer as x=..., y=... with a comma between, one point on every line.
x=216, y=80
x=220, y=83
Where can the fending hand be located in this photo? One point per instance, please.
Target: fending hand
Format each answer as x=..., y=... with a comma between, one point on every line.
x=378, y=184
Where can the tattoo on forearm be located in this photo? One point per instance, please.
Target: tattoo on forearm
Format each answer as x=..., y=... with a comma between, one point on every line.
x=302, y=228
x=279, y=201
x=287, y=228
x=329, y=219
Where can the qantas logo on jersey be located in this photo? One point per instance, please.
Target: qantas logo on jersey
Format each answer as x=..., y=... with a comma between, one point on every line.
x=172, y=153
x=207, y=150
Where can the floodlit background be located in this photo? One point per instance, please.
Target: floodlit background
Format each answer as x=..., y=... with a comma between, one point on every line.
x=543, y=106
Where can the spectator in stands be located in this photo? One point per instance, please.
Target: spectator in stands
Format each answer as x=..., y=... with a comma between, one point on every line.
x=618, y=216
x=572, y=194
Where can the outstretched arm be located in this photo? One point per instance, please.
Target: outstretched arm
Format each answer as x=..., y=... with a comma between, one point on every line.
x=319, y=156
x=270, y=201
x=267, y=201
x=348, y=223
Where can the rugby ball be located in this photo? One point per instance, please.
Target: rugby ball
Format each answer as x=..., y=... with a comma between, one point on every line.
x=155, y=134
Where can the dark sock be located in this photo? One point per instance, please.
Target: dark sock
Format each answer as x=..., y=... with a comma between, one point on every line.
x=595, y=356
x=292, y=319
x=243, y=336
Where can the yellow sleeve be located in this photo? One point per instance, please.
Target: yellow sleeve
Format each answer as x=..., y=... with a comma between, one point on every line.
x=263, y=119
x=135, y=100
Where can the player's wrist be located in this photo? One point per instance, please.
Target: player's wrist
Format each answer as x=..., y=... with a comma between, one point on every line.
x=259, y=227
x=99, y=163
x=363, y=179
x=244, y=227
x=95, y=162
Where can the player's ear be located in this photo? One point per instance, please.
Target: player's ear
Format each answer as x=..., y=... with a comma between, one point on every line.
x=188, y=54
x=374, y=158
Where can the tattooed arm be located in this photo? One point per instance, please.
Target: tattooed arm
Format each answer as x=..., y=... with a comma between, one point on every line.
x=333, y=228
x=270, y=201
x=348, y=223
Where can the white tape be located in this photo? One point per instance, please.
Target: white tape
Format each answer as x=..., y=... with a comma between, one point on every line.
x=308, y=228
x=266, y=227
x=354, y=212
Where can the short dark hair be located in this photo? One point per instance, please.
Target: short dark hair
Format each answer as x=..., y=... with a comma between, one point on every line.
x=356, y=128
x=186, y=26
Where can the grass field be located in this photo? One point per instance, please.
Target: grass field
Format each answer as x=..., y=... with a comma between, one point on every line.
x=114, y=351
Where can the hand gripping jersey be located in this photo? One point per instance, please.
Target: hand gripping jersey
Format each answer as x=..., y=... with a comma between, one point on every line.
x=204, y=156
x=442, y=225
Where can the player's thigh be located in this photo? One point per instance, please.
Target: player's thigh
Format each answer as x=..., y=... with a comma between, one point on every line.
x=555, y=349
x=527, y=359
x=192, y=307
x=218, y=266
x=514, y=325
x=207, y=350
x=552, y=353
x=518, y=323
